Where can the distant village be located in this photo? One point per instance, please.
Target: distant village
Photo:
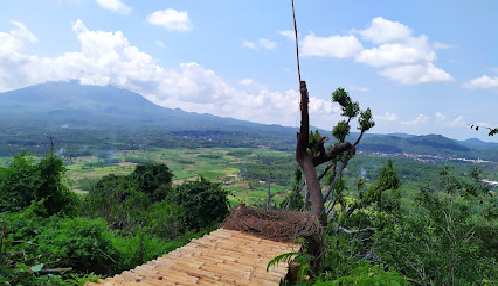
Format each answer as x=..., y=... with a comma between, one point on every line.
x=426, y=158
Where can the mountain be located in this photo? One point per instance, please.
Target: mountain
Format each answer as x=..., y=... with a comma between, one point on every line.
x=475, y=143
x=96, y=107
x=112, y=118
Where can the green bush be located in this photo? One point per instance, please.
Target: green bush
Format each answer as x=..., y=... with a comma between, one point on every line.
x=24, y=181
x=367, y=275
x=204, y=202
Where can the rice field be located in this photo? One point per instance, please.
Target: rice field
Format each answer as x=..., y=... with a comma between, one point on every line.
x=216, y=164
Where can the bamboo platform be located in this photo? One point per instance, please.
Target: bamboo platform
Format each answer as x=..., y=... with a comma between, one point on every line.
x=224, y=257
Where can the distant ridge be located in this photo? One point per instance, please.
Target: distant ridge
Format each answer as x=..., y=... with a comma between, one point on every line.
x=71, y=106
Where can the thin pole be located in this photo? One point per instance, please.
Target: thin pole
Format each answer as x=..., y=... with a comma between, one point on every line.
x=297, y=45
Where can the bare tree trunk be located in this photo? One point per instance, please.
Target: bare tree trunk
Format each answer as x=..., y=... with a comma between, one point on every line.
x=305, y=160
x=308, y=162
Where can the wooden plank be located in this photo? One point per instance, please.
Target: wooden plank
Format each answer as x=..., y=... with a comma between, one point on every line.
x=224, y=257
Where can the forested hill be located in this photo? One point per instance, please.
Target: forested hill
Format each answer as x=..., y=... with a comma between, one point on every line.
x=430, y=145
x=82, y=106
x=94, y=118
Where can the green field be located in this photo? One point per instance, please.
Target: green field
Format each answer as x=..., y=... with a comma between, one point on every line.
x=220, y=165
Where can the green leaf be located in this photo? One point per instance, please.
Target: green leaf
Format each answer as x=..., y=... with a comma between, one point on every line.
x=37, y=268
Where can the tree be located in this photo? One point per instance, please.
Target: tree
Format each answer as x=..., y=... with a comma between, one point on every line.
x=294, y=201
x=310, y=150
x=24, y=181
x=204, y=203
x=387, y=180
x=115, y=197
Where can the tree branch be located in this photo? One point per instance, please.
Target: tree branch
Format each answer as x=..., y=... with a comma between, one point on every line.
x=325, y=171
x=331, y=154
x=344, y=164
x=355, y=231
x=359, y=138
x=331, y=205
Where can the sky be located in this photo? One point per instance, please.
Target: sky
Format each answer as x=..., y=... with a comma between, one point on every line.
x=421, y=66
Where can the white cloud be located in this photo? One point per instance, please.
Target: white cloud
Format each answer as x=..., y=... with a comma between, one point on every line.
x=358, y=89
x=385, y=31
x=334, y=46
x=170, y=19
x=387, y=117
x=442, y=46
x=421, y=119
x=402, y=57
x=115, y=6
x=249, y=45
x=399, y=55
x=416, y=74
x=411, y=51
x=440, y=116
x=482, y=82
x=246, y=82
x=287, y=33
x=108, y=58
x=267, y=44
x=159, y=43
x=457, y=122
x=482, y=124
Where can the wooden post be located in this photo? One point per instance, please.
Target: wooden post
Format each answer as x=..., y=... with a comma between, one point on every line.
x=293, y=271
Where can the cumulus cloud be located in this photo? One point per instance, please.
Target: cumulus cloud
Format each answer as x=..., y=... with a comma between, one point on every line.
x=420, y=119
x=288, y=34
x=401, y=56
x=397, y=53
x=246, y=82
x=249, y=45
x=385, y=31
x=416, y=74
x=440, y=116
x=107, y=58
x=170, y=19
x=159, y=43
x=485, y=82
x=267, y=44
x=334, y=46
x=115, y=6
x=389, y=116
x=412, y=51
x=457, y=122
x=358, y=89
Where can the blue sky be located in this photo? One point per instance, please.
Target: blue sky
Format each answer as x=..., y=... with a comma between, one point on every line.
x=421, y=66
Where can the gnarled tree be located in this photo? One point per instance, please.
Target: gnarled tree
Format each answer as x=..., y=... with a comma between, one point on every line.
x=311, y=152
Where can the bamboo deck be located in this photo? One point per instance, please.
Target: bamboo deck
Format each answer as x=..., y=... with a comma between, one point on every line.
x=224, y=257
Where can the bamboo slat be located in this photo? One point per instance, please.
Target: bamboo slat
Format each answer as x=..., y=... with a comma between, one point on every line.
x=224, y=257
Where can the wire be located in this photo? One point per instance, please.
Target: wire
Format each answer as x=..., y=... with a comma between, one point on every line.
x=297, y=45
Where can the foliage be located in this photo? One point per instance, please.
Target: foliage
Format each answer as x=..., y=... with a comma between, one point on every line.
x=368, y=275
x=446, y=241
x=204, y=203
x=135, y=201
x=86, y=245
x=34, y=242
x=294, y=200
x=24, y=181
